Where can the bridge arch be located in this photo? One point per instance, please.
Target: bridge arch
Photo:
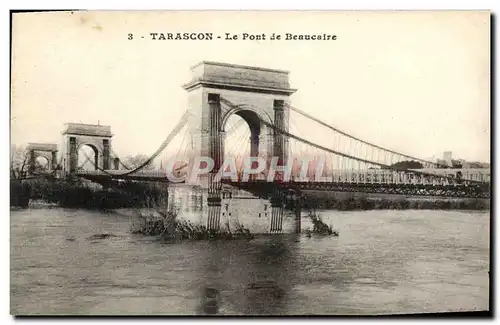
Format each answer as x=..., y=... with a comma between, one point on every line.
x=93, y=158
x=43, y=160
x=251, y=116
x=248, y=112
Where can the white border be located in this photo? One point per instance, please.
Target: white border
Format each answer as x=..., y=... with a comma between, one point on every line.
x=492, y=5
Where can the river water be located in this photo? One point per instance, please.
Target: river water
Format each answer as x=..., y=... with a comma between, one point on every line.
x=383, y=262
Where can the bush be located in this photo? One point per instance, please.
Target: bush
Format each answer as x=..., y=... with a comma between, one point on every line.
x=167, y=225
x=319, y=227
x=19, y=193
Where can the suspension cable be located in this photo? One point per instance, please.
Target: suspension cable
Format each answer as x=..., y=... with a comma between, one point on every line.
x=183, y=120
x=363, y=160
x=363, y=141
x=317, y=146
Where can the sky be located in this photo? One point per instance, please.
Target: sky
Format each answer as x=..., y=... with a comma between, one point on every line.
x=414, y=82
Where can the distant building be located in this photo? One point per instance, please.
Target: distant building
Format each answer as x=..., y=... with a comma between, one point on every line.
x=447, y=158
x=460, y=163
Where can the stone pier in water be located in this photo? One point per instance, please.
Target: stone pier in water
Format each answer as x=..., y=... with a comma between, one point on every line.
x=237, y=206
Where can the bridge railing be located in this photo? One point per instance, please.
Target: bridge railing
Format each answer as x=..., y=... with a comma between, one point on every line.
x=391, y=177
x=369, y=176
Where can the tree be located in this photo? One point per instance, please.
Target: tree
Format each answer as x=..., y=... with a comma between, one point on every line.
x=456, y=163
x=136, y=161
x=477, y=164
x=408, y=164
x=18, y=162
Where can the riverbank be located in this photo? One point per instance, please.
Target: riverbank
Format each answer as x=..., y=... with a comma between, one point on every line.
x=361, y=201
x=82, y=194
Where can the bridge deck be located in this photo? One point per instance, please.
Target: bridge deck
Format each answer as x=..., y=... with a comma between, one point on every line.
x=143, y=175
x=263, y=188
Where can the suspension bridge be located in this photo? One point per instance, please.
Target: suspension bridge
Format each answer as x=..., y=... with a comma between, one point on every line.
x=268, y=126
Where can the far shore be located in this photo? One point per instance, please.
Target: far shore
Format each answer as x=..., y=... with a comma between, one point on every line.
x=349, y=203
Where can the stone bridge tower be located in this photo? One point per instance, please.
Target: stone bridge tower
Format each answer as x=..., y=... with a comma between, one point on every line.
x=97, y=137
x=45, y=150
x=218, y=90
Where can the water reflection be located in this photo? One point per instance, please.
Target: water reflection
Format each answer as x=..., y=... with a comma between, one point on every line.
x=249, y=277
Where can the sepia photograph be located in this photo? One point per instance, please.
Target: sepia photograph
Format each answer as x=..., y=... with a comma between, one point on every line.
x=250, y=163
